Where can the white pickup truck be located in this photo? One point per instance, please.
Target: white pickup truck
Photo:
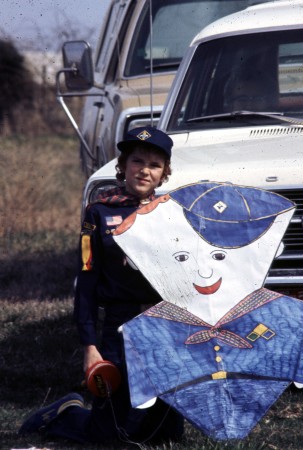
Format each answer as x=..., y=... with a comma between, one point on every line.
x=235, y=113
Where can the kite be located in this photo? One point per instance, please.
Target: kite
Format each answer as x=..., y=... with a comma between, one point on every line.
x=220, y=348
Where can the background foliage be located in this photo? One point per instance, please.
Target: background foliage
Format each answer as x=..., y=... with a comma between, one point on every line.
x=28, y=106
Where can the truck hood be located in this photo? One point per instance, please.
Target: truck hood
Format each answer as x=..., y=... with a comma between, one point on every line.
x=271, y=163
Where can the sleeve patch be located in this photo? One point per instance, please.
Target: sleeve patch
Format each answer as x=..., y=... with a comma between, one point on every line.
x=86, y=252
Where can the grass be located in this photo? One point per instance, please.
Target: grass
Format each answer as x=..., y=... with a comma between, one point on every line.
x=40, y=359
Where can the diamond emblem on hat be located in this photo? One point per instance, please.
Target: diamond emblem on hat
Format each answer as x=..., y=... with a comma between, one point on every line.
x=220, y=207
x=143, y=135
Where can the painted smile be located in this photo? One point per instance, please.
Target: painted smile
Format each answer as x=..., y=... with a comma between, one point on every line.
x=208, y=290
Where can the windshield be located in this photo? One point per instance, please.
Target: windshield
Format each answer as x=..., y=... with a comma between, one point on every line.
x=258, y=73
x=175, y=23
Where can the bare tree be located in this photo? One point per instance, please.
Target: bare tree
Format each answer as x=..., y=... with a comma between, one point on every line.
x=16, y=83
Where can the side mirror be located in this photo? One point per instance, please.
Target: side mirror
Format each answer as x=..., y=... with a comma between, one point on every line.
x=78, y=65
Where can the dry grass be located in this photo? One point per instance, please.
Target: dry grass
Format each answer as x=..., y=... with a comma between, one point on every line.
x=41, y=187
x=40, y=359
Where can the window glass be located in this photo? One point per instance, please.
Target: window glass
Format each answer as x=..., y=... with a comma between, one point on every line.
x=258, y=72
x=291, y=68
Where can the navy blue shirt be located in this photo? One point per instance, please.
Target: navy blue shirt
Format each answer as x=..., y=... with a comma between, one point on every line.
x=104, y=276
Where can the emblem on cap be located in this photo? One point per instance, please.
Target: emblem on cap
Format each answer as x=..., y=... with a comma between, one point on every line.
x=220, y=207
x=143, y=135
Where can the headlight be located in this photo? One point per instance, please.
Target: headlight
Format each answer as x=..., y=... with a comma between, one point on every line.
x=99, y=189
x=94, y=189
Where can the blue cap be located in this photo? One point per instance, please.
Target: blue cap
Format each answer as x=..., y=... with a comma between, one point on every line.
x=227, y=215
x=147, y=136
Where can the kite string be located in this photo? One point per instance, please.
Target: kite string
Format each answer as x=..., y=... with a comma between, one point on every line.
x=122, y=434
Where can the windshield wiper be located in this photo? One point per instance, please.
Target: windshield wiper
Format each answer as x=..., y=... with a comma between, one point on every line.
x=246, y=114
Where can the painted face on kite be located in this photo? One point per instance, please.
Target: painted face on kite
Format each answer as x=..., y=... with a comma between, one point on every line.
x=186, y=270
x=215, y=279
x=202, y=278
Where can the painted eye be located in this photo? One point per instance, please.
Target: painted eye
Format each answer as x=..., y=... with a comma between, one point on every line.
x=219, y=256
x=182, y=257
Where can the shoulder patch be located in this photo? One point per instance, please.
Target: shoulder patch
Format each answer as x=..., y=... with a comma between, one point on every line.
x=89, y=226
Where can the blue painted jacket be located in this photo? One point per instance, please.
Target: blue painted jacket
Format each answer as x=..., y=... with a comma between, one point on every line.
x=222, y=378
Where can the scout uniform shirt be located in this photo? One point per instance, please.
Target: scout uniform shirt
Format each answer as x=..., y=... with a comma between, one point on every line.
x=104, y=277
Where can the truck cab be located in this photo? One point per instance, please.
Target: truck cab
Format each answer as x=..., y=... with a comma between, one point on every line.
x=140, y=48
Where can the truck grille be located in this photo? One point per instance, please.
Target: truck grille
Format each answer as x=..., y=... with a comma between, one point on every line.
x=293, y=238
x=286, y=271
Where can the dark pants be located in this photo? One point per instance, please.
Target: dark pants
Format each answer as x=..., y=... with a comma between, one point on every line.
x=114, y=417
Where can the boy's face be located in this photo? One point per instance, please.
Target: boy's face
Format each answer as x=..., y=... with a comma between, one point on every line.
x=144, y=171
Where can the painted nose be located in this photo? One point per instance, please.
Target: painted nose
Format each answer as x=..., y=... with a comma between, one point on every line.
x=207, y=273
